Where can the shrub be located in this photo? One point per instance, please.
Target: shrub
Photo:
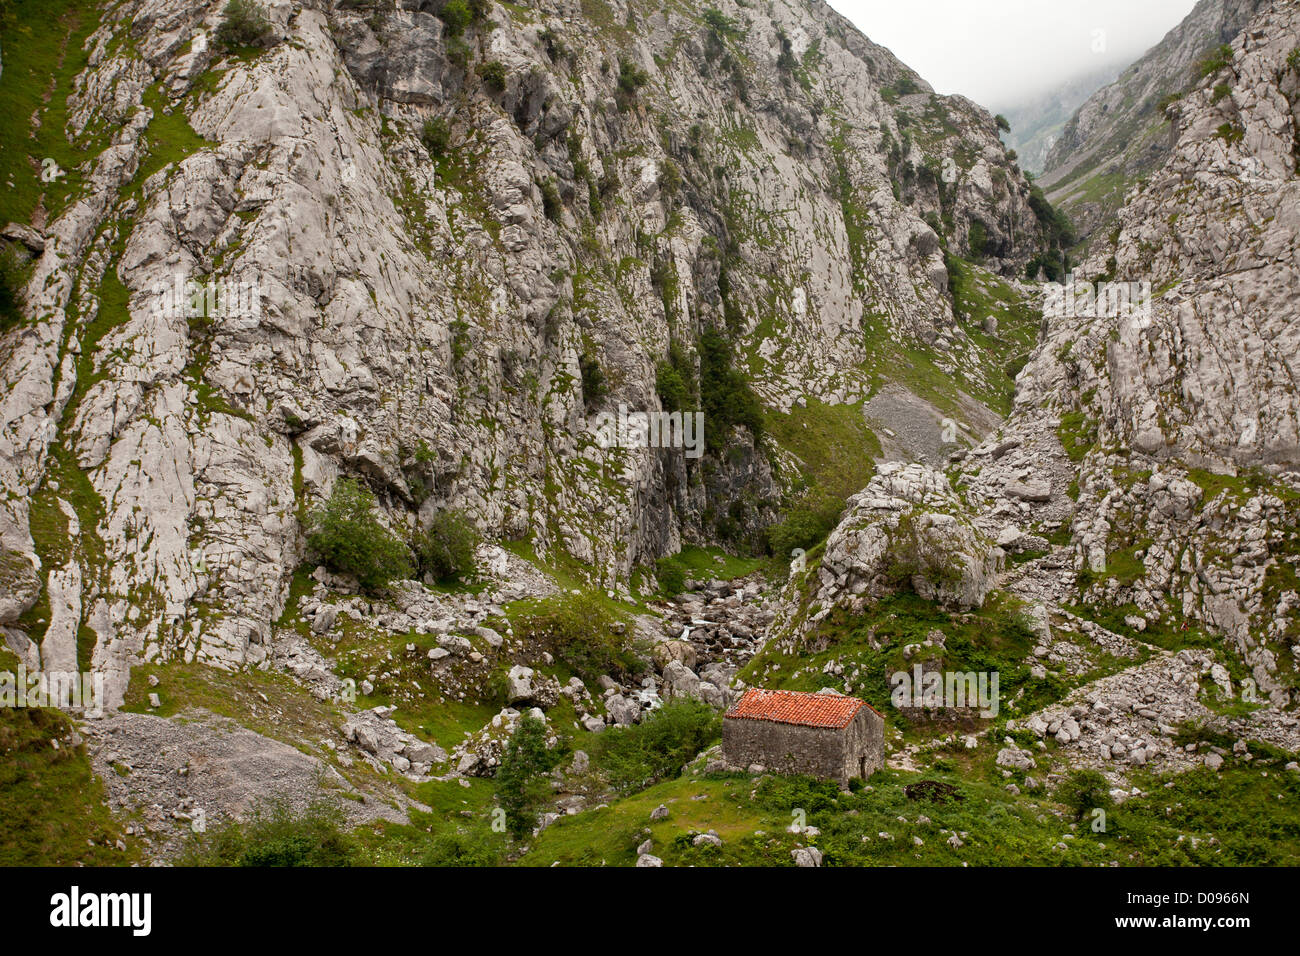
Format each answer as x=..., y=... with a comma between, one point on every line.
x=913, y=554
x=656, y=749
x=552, y=205
x=494, y=75
x=670, y=177
x=461, y=342
x=458, y=52
x=1230, y=134
x=436, y=136
x=521, y=784
x=1002, y=123
x=1084, y=791
x=276, y=835
x=807, y=523
x=463, y=849
x=456, y=15
x=671, y=575
x=554, y=46
x=786, y=61
x=580, y=632
x=720, y=25
x=593, y=381
x=1059, y=229
x=977, y=239
x=12, y=280
x=446, y=548
x=630, y=80
x=1214, y=62
x=244, y=24
x=1293, y=59
x=674, y=380
x=347, y=538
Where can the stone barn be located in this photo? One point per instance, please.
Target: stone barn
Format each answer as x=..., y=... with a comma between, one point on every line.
x=825, y=735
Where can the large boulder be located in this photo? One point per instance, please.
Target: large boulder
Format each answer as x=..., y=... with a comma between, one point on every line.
x=907, y=529
x=681, y=651
x=526, y=686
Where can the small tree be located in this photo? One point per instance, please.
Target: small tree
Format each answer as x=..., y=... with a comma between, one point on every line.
x=244, y=24
x=1002, y=123
x=347, y=538
x=494, y=75
x=520, y=782
x=657, y=748
x=672, y=577
x=1084, y=791
x=436, y=136
x=446, y=547
x=457, y=15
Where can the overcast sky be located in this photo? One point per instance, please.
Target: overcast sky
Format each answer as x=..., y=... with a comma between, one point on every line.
x=998, y=52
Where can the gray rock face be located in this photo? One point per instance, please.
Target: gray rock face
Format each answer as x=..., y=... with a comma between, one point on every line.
x=1123, y=129
x=525, y=686
x=179, y=776
x=422, y=322
x=1184, y=496
x=906, y=528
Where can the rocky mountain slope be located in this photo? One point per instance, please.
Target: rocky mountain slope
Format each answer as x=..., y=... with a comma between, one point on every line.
x=473, y=228
x=1149, y=467
x=1122, y=132
x=602, y=187
x=1036, y=123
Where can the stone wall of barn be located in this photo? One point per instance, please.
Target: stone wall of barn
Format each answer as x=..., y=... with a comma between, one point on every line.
x=864, y=738
x=834, y=754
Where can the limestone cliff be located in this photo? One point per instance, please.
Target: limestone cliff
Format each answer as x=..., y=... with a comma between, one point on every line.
x=1122, y=132
x=463, y=237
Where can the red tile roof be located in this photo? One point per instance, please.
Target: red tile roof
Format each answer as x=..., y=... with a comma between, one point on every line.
x=796, y=707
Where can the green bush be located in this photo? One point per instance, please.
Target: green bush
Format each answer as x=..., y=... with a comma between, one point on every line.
x=463, y=849
x=461, y=341
x=630, y=80
x=912, y=554
x=675, y=380
x=786, y=61
x=347, y=538
x=244, y=24
x=580, y=631
x=594, y=388
x=1214, y=62
x=552, y=205
x=635, y=757
x=494, y=75
x=436, y=136
x=720, y=25
x=276, y=835
x=806, y=524
x=12, y=280
x=1002, y=123
x=978, y=240
x=1084, y=791
x=446, y=548
x=671, y=575
x=521, y=784
x=456, y=15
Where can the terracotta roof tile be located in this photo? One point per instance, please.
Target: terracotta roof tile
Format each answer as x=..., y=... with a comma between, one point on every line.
x=796, y=707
